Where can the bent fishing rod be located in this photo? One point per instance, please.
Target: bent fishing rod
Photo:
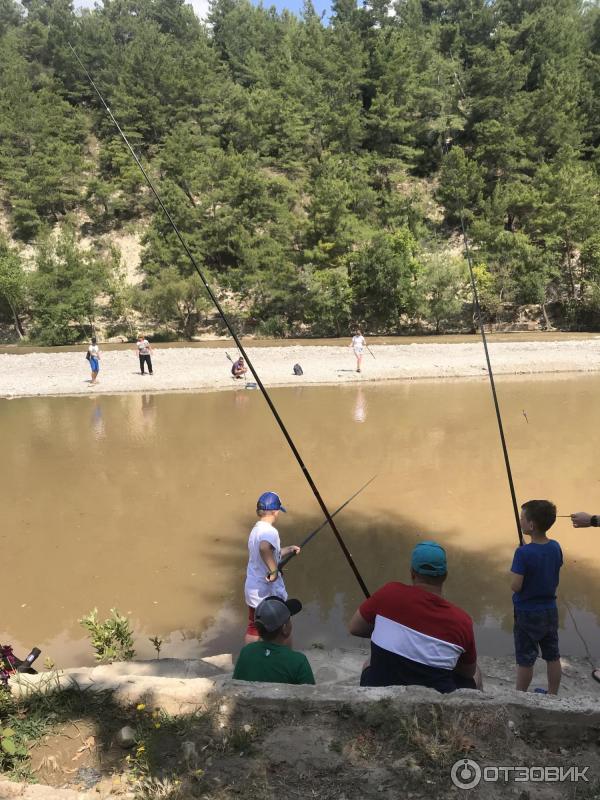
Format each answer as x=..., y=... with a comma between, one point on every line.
x=312, y=535
x=487, y=356
x=234, y=335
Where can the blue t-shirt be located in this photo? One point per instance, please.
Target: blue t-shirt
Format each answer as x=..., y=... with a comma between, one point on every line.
x=540, y=565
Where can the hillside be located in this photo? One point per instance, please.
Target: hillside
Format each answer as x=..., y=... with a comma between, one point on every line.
x=318, y=172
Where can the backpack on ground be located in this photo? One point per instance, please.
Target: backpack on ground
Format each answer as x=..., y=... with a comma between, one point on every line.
x=298, y=370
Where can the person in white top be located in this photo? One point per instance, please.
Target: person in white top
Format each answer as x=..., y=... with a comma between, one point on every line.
x=93, y=356
x=358, y=344
x=144, y=351
x=263, y=578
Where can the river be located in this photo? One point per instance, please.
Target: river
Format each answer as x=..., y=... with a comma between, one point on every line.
x=144, y=502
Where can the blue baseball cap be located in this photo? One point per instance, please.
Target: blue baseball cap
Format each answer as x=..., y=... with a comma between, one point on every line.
x=269, y=501
x=429, y=558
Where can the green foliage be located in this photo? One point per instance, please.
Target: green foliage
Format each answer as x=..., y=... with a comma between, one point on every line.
x=112, y=639
x=461, y=185
x=65, y=289
x=173, y=299
x=329, y=303
x=293, y=154
x=13, y=284
x=384, y=279
x=12, y=749
x=157, y=643
x=443, y=283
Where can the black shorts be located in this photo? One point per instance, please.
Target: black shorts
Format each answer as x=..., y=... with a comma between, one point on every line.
x=535, y=632
x=450, y=683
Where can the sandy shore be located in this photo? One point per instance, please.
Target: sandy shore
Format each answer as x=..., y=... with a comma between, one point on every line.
x=189, y=369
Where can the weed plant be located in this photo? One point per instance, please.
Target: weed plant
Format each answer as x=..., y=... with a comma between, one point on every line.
x=112, y=639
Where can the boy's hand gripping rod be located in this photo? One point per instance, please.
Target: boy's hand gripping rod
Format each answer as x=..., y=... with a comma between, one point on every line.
x=234, y=336
x=310, y=536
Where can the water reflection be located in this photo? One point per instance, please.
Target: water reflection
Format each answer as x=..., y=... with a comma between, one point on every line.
x=98, y=420
x=359, y=413
x=175, y=480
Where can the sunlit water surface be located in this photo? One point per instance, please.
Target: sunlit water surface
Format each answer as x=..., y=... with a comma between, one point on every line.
x=144, y=503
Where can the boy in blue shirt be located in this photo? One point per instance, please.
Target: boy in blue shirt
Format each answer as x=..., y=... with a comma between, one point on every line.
x=535, y=570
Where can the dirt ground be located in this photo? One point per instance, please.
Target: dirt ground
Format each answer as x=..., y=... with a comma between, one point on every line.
x=339, y=753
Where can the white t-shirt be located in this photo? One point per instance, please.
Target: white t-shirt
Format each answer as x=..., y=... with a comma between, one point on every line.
x=257, y=587
x=358, y=342
x=144, y=347
x=94, y=350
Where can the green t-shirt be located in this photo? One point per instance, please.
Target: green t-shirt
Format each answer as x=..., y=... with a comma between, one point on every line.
x=272, y=663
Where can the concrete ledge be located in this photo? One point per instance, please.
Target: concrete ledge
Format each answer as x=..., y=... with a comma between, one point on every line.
x=183, y=687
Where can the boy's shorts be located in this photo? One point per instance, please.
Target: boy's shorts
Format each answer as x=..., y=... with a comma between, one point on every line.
x=536, y=631
x=251, y=630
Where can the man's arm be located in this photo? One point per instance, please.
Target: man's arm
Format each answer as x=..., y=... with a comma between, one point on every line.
x=516, y=583
x=360, y=627
x=581, y=519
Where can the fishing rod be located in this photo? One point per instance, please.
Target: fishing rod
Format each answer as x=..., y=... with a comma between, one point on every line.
x=234, y=335
x=310, y=536
x=487, y=358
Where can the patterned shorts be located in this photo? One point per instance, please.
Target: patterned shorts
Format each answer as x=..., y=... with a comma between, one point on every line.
x=536, y=631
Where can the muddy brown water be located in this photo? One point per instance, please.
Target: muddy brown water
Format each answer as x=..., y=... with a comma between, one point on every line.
x=144, y=503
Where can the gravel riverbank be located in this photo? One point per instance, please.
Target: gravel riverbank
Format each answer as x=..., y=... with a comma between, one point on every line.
x=207, y=369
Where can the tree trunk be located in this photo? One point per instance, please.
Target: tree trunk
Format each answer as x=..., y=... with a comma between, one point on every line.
x=17, y=322
x=570, y=271
x=549, y=326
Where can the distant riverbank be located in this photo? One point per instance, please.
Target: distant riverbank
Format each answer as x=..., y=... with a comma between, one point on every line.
x=207, y=368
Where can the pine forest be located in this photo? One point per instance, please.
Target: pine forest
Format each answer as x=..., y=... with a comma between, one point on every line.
x=320, y=169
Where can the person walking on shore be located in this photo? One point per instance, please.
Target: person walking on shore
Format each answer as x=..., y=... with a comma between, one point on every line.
x=144, y=352
x=358, y=344
x=93, y=356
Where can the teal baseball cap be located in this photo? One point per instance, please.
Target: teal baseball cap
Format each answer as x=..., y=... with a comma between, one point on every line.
x=429, y=558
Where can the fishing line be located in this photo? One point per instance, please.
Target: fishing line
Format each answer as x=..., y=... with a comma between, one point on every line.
x=487, y=357
x=312, y=535
x=234, y=336
x=588, y=654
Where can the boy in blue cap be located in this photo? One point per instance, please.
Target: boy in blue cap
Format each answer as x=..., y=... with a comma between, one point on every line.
x=535, y=570
x=263, y=578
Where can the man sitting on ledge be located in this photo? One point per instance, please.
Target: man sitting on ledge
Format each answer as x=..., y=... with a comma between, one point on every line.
x=272, y=660
x=417, y=637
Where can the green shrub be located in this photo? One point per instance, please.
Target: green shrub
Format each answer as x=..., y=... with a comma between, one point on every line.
x=112, y=639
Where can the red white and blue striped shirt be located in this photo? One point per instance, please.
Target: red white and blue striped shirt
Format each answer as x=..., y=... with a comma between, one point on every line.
x=418, y=637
